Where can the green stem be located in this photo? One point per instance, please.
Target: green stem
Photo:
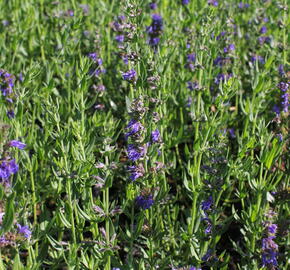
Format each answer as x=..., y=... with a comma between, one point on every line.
x=34, y=207
x=71, y=210
x=132, y=238
x=106, y=205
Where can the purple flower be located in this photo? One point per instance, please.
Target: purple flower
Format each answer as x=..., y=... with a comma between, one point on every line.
x=192, y=85
x=229, y=48
x=93, y=56
x=276, y=109
x=272, y=229
x=268, y=243
x=122, y=18
x=144, y=202
x=7, y=168
x=157, y=22
x=85, y=8
x=258, y=58
x=5, y=22
x=189, y=102
x=154, y=30
x=221, y=61
x=269, y=258
x=232, y=133
x=222, y=34
x=285, y=102
x=10, y=114
x=283, y=86
x=120, y=38
x=263, y=29
x=70, y=13
x=20, y=77
x=213, y=3
x=263, y=40
x=5, y=242
x=206, y=205
x=208, y=228
x=136, y=171
x=185, y=2
x=191, y=57
x=134, y=153
x=6, y=83
x=129, y=75
x=269, y=247
x=281, y=70
x=222, y=78
x=155, y=135
x=18, y=144
x=280, y=137
x=24, y=230
x=125, y=60
x=134, y=127
x=207, y=255
x=265, y=19
x=154, y=41
x=153, y=5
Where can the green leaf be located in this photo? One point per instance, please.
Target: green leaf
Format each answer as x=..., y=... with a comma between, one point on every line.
x=17, y=265
x=63, y=219
x=9, y=214
x=128, y=104
x=1, y=192
x=84, y=215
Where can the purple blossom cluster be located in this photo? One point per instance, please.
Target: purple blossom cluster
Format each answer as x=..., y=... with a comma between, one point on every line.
x=222, y=78
x=284, y=88
x=214, y=3
x=257, y=58
x=155, y=136
x=191, y=58
x=144, y=201
x=124, y=30
x=9, y=239
x=154, y=31
x=130, y=75
x=6, y=87
x=8, y=165
x=137, y=148
x=193, y=85
x=135, y=152
x=98, y=68
x=229, y=48
x=206, y=207
x=269, y=247
x=221, y=61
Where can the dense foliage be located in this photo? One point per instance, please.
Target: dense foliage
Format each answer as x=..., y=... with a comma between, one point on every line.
x=139, y=134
